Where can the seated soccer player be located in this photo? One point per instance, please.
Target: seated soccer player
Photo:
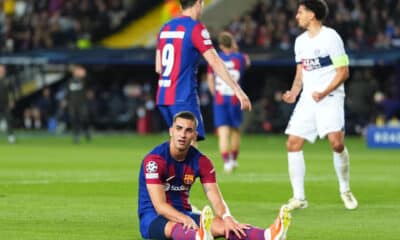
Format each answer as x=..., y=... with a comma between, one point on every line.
x=166, y=176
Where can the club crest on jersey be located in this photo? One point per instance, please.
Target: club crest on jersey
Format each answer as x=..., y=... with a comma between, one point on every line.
x=188, y=179
x=311, y=64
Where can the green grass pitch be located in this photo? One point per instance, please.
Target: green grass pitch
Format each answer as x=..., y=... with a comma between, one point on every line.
x=52, y=189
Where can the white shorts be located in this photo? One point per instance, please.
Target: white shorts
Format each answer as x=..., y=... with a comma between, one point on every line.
x=311, y=119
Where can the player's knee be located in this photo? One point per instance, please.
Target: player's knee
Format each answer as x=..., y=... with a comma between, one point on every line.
x=337, y=146
x=293, y=145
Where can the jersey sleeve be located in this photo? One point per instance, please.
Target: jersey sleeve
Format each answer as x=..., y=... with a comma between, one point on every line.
x=153, y=167
x=296, y=51
x=201, y=38
x=207, y=171
x=336, y=51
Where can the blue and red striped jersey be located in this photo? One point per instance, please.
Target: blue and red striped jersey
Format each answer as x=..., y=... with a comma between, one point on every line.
x=158, y=167
x=235, y=62
x=180, y=42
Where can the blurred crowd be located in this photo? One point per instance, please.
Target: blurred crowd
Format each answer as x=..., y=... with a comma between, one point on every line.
x=44, y=24
x=373, y=94
x=361, y=23
x=29, y=24
x=81, y=103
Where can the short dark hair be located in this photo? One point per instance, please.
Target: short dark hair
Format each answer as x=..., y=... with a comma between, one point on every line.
x=187, y=3
x=225, y=39
x=318, y=7
x=186, y=115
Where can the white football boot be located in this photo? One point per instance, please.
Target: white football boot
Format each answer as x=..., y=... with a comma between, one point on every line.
x=350, y=202
x=295, y=203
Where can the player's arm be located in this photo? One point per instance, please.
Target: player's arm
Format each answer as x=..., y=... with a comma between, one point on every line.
x=221, y=210
x=211, y=82
x=220, y=69
x=291, y=95
x=158, y=63
x=340, y=61
x=342, y=74
x=158, y=198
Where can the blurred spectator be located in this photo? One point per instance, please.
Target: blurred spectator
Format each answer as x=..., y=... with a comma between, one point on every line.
x=46, y=106
x=32, y=118
x=77, y=103
x=39, y=113
x=357, y=22
x=6, y=105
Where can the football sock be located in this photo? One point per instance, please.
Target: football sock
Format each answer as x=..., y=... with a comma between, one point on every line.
x=225, y=157
x=342, y=167
x=234, y=155
x=251, y=233
x=179, y=233
x=297, y=171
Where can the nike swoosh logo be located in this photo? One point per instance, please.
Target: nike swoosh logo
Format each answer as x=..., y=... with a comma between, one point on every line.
x=169, y=178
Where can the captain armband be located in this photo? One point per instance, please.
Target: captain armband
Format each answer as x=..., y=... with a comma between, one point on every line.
x=340, y=61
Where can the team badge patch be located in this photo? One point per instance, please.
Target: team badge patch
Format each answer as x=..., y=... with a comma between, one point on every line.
x=205, y=34
x=188, y=179
x=151, y=167
x=151, y=170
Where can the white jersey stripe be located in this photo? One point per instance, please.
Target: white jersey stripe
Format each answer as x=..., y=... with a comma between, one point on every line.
x=172, y=34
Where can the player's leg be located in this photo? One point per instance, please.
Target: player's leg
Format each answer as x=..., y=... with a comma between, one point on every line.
x=222, y=124
x=157, y=227
x=224, y=146
x=166, y=114
x=10, y=129
x=341, y=162
x=301, y=127
x=276, y=231
x=74, y=120
x=236, y=116
x=330, y=122
x=297, y=171
x=204, y=221
x=235, y=146
x=84, y=113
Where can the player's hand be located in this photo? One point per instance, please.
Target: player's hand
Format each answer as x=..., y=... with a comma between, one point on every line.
x=189, y=223
x=317, y=96
x=245, y=103
x=231, y=225
x=289, y=97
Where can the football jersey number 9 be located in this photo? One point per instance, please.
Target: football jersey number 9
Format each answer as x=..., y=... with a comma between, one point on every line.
x=167, y=59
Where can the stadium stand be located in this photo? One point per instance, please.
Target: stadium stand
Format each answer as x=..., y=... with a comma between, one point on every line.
x=40, y=38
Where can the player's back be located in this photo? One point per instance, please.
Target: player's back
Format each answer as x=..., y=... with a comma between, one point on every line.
x=235, y=63
x=180, y=42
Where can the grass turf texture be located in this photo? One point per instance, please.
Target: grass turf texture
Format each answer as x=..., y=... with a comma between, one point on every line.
x=52, y=189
